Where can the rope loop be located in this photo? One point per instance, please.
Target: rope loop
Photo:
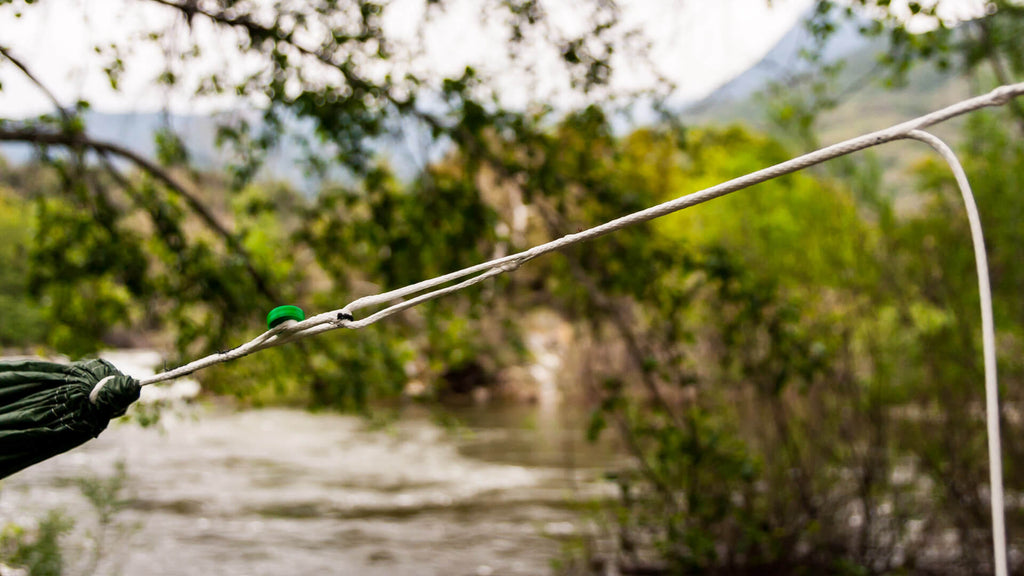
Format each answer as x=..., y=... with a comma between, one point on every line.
x=95, y=393
x=1003, y=94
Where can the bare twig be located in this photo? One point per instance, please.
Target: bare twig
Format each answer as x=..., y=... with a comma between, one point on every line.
x=39, y=84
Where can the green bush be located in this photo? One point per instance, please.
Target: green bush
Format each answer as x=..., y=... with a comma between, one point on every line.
x=24, y=323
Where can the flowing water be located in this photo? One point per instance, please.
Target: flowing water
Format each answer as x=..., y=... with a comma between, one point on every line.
x=276, y=491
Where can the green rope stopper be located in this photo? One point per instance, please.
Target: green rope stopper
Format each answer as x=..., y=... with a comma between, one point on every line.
x=283, y=314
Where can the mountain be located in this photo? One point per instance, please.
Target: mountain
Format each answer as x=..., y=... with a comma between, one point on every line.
x=135, y=131
x=781, y=62
x=866, y=100
x=406, y=150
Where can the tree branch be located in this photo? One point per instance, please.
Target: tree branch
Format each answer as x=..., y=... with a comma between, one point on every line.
x=255, y=30
x=67, y=139
x=39, y=84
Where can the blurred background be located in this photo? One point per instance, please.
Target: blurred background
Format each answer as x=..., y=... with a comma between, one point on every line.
x=787, y=380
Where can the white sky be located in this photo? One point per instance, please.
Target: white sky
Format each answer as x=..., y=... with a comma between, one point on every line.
x=699, y=44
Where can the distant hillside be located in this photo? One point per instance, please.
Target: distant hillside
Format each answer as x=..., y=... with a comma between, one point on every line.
x=867, y=104
x=781, y=62
x=135, y=131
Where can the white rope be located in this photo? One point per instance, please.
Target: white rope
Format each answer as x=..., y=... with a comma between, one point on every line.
x=95, y=392
x=343, y=317
x=988, y=338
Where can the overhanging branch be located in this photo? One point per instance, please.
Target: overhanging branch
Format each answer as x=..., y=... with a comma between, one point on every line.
x=76, y=140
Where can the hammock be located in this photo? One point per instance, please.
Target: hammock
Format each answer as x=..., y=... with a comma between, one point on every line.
x=45, y=408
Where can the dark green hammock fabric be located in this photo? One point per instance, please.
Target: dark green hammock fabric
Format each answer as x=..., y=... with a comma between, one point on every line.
x=45, y=408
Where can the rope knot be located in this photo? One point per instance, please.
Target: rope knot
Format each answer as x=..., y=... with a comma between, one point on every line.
x=1002, y=95
x=512, y=265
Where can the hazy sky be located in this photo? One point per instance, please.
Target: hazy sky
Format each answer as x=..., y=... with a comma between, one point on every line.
x=699, y=44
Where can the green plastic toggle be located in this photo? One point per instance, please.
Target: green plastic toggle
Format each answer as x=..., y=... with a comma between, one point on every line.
x=283, y=314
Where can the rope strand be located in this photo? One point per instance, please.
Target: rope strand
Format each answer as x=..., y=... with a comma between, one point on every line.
x=988, y=340
x=335, y=319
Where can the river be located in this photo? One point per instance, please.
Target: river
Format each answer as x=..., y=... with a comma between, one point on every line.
x=214, y=490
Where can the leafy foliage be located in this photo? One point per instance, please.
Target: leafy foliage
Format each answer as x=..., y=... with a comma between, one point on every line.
x=42, y=555
x=23, y=322
x=42, y=550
